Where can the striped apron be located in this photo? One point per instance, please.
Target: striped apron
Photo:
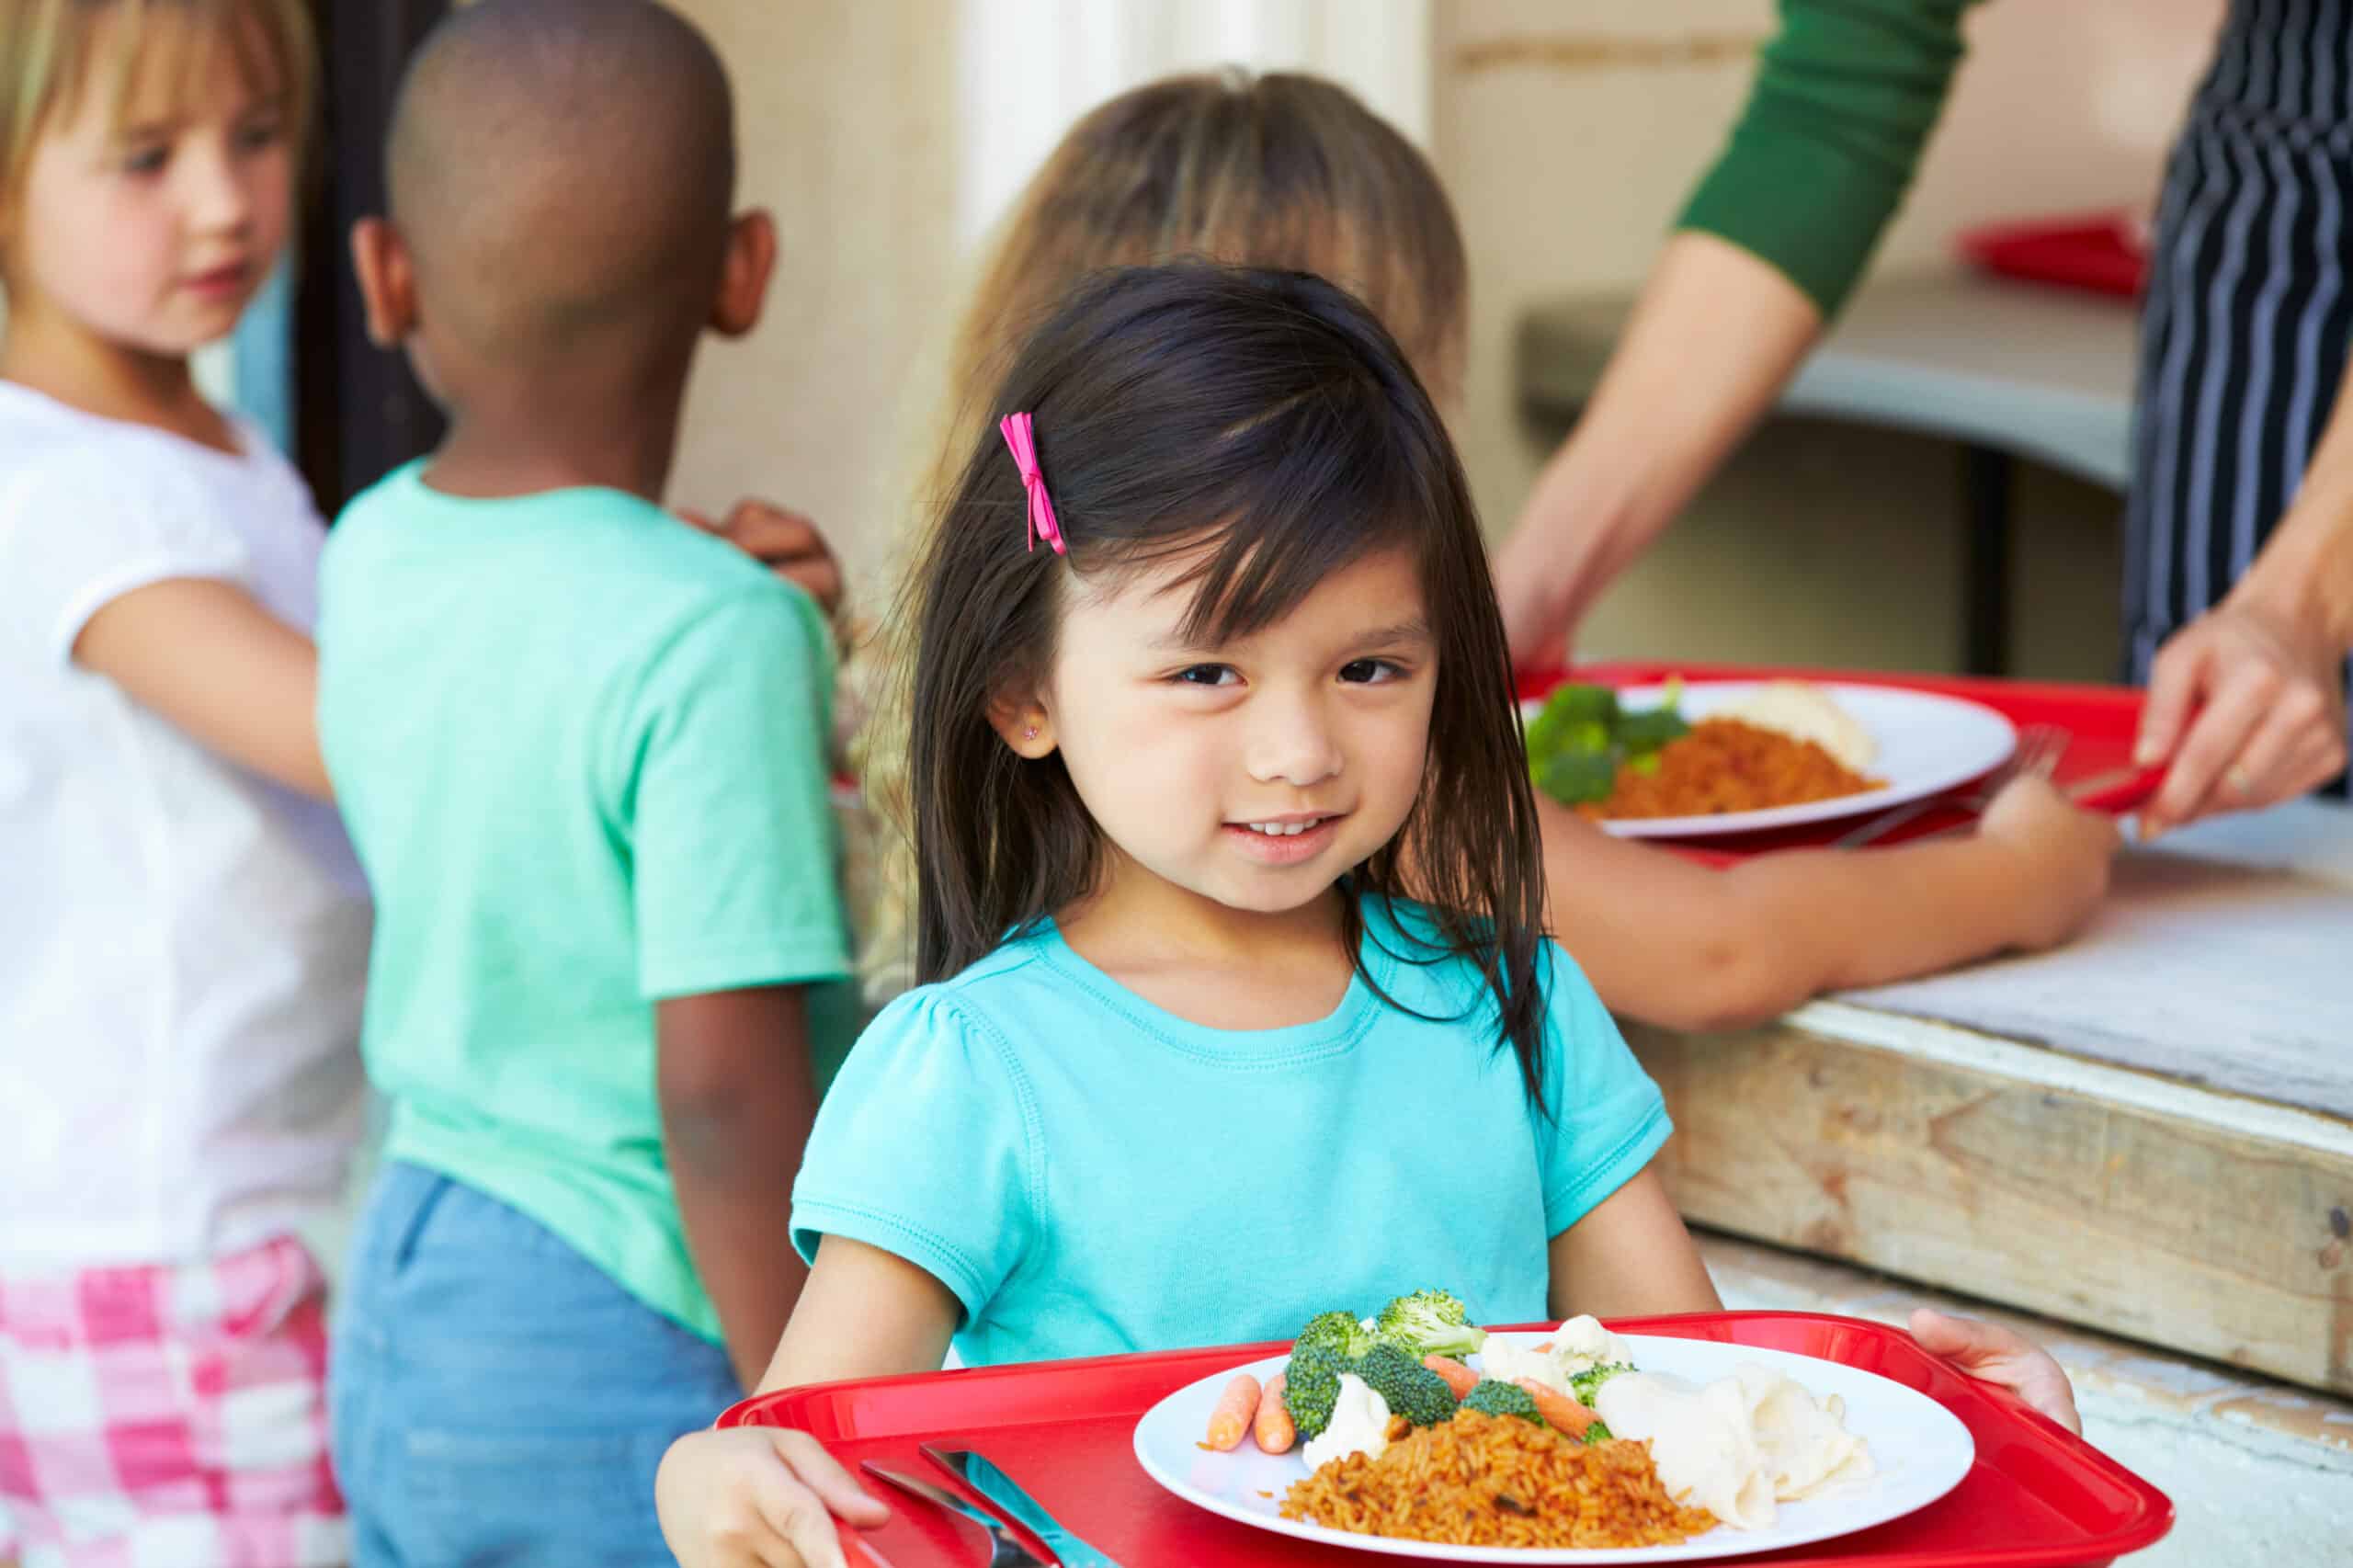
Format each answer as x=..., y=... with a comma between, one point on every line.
x=2249, y=311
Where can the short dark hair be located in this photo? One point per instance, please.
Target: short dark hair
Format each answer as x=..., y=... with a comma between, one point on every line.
x=1266, y=423
x=564, y=169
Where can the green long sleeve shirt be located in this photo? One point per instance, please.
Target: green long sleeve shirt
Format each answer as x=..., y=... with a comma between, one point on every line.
x=1845, y=95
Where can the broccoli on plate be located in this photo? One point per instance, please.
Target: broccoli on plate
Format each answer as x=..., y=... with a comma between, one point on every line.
x=1338, y=1332
x=1494, y=1398
x=1412, y=1389
x=1584, y=1384
x=1310, y=1386
x=1429, y=1322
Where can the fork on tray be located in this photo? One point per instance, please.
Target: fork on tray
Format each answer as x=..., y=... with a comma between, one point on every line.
x=1004, y=1552
x=2036, y=756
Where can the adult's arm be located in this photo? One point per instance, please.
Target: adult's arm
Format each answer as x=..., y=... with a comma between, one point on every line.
x=1766, y=250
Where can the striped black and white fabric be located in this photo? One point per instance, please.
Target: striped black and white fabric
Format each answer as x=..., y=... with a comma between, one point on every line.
x=2249, y=313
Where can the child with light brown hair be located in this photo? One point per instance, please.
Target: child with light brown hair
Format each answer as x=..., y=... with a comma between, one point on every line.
x=183, y=936
x=1290, y=171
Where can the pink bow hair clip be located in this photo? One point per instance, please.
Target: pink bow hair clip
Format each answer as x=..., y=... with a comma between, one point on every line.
x=1014, y=429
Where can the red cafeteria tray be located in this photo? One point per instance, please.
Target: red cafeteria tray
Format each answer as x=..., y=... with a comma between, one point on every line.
x=2105, y=252
x=2038, y=1497
x=2101, y=720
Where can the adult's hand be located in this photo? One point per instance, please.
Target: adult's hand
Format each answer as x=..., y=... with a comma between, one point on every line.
x=1546, y=577
x=2247, y=702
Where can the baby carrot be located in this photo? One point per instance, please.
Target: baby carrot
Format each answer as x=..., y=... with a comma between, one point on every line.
x=1558, y=1408
x=1274, y=1431
x=1459, y=1378
x=1232, y=1417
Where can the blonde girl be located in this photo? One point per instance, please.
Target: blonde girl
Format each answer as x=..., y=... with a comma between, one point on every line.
x=183, y=938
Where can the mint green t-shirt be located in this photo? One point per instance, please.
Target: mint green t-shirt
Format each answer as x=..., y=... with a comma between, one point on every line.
x=1089, y=1174
x=582, y=753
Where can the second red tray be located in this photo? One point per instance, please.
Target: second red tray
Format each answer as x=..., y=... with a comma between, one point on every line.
x=2038, y=1496
x=2101, y=722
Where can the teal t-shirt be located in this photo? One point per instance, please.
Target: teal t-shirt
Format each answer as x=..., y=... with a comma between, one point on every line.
x=1090, y=1175
x=582, y=750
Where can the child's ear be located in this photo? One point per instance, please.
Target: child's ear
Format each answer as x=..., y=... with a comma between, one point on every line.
x=387, y=281
x=1023, y=723
x=744, y=282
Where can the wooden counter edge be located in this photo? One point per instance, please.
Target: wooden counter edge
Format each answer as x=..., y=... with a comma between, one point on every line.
x=2133, y=1206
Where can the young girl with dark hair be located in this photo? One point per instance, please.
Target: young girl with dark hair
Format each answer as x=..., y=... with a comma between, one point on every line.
x=1206, y=658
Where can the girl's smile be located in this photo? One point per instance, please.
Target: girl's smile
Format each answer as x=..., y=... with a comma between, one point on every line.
x=1286, y=841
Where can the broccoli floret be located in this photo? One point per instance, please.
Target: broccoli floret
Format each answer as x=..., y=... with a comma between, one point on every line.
x=1429, y=1322
x=1310, y=1385
x=1492, y=1396
x=1583, y=1384
x=1412, y=1389
x=1598, y=1432
x=1643, y=733
x=1338, y=1332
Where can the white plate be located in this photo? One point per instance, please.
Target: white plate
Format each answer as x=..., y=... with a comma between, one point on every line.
x=1920, y=1448
x=1927, y=744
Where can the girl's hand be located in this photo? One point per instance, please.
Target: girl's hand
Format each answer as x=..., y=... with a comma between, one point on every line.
x=1991, y=1353
x=785, y=542
x=2249, y=706
x=2064, y=854
x=757, y=1497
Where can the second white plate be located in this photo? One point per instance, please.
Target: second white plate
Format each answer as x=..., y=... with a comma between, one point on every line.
x=1928, y=742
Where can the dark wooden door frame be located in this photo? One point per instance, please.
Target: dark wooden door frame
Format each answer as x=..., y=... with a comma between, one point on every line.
x=358, y=412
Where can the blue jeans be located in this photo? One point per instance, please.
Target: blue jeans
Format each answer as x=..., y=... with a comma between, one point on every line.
x=496, y=1398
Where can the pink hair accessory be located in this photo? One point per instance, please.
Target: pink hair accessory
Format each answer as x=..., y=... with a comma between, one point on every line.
x=1014, y=429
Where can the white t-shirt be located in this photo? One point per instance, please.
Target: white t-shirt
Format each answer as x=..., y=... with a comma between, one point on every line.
x=182, y=943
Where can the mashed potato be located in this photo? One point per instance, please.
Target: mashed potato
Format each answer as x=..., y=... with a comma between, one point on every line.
x=1805, y=712
x=1739, y=1445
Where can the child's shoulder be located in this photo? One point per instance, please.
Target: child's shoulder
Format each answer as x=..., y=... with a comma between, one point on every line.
x=964, y=1036
x=987, y=997
x=617, y=560
x=1431, y=972
x=52, y=446
x=91, y=507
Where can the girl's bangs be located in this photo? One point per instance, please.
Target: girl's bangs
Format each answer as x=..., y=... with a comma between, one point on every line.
x=1306, y=492
x=127, y=52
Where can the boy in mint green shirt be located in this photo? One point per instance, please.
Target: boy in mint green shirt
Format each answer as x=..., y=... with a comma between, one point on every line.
x=583, y=752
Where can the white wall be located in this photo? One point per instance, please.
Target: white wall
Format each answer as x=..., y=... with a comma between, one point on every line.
x=1028, y=68
x=887, y=135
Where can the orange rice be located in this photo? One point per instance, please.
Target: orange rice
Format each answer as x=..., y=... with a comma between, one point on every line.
x=1483, y=1480
x=1726, y=766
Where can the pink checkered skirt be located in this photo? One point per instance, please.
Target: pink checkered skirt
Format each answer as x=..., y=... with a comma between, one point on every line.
x=169, y=1416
